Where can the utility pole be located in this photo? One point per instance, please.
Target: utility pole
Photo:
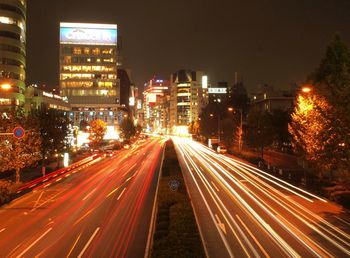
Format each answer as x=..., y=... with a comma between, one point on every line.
x=240, y=131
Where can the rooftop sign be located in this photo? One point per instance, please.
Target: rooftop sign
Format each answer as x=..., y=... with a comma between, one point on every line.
x=88, y=33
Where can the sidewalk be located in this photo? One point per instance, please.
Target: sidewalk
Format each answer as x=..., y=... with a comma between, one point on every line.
x=273, y=158
x=29, y=174
x=282, y=165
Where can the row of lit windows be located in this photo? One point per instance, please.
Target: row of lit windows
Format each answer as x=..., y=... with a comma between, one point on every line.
x=80, y=84
x=10, y=48
x=65, y=76
x=84, y=60
x=84, y=68
x=88, y=51
x=86, y=84
x=14, y=9
x=11, y=75
x=8, y=61
x=9, y=20
x=91, y=92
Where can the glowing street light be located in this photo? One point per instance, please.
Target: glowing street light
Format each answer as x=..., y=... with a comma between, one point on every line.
x=6, y=86
x=306, y=89
x=240, y=133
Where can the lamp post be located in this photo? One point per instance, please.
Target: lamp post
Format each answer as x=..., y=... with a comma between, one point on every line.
x=212, y=115
x=5, y=86
x=240, y=133
x=305, y=90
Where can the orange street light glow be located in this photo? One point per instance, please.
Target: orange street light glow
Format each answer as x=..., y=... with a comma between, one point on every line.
x=306, y=89
x=230, y=109
x=6, y=86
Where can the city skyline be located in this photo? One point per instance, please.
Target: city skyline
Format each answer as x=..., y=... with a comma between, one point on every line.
x=264, y=42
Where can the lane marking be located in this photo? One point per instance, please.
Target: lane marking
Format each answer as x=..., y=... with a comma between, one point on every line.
x=253, y=237
x=75, y=243
x=121, y=194
x=217, y=189
x=36, y=241
x=87, y=196
x=221, y=225
x=113, y=191
x=37, y=201
x=88, y=243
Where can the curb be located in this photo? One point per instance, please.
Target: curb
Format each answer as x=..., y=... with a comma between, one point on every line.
x=154, y=211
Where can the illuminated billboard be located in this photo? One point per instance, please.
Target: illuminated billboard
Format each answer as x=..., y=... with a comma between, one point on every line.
x=204, y=81
x=88, y=33
x=217, y=90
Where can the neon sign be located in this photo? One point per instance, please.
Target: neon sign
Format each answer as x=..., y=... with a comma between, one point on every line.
x=88, y=34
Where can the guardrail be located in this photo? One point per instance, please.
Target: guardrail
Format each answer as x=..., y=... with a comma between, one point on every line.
x=28, y=186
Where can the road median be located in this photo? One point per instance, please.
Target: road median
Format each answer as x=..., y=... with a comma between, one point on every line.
x=176, y=233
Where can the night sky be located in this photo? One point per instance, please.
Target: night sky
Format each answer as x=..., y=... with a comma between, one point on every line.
x=267, y=41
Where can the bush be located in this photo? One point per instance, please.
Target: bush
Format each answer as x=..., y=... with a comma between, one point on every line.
x=176, y=233
x=7, y=191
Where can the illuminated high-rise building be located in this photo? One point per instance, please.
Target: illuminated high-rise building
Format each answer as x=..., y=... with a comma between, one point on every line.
x=12, y=52
x=156, y=105
x=189, y=94
x=88, y=71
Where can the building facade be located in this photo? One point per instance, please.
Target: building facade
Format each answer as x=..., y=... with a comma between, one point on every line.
x=189, y=95
x=12, y=52
x=267, y=99
x=37, y=98
x=156, y=106
x=88, y=71
x=219, y=93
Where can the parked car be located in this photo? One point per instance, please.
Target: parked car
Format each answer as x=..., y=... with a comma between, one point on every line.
x=109, y=153
x=221, y=149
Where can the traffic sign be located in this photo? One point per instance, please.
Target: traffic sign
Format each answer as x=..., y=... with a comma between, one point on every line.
x=18, y=132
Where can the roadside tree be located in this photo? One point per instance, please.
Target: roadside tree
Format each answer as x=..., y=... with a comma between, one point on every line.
x=97, y=130
x=16, y=154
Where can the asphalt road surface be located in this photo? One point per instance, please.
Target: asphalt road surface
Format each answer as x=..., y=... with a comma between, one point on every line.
x=102, y=210
x=244, y=212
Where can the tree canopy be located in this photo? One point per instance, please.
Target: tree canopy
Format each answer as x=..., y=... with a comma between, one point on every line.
x=127, y=128
x=327, y=143
x=17, y=154
x=97, y=129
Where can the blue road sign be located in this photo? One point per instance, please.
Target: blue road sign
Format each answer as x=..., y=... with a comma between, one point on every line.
x=18, y=132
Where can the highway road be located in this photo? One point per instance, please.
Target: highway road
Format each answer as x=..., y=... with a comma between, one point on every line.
x=245, y=212
x=102, y=210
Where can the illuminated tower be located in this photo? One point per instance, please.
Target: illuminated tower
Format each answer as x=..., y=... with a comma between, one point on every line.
x=188, y=97
x=88, y=70
x=12, y=52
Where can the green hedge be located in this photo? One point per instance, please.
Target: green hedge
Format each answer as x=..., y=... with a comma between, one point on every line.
x=176, y=233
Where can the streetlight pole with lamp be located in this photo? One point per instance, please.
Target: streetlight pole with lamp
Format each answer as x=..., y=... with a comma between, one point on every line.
x=306, y=90
x=219, y=130
x=240, y=133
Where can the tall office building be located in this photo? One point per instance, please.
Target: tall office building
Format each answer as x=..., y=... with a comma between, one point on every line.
x=189, y=94
x=12, y=52
x=88, y=71
x=156, y=102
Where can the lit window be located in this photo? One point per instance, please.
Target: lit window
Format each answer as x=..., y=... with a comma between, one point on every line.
x=96, y=51
x=86, y=50
x=6, y=20
x=77, y=51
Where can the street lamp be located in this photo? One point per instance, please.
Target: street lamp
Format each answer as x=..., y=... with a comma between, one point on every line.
x=212, y=115
x=240, y=133
x=306, y=89
x=5, y=86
